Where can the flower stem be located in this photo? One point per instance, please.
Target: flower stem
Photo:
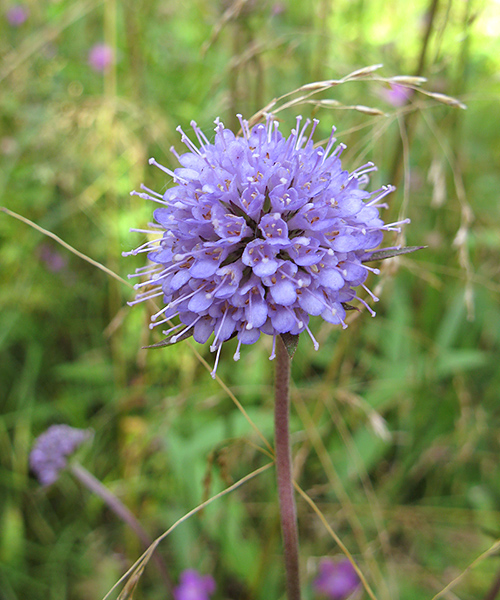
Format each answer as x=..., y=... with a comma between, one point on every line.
x=288, y=513
x=121, y=511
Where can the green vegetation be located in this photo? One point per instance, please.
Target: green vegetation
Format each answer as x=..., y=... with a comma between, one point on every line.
x=395, y=421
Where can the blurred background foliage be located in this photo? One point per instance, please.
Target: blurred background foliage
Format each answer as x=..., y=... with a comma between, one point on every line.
x=396, y=420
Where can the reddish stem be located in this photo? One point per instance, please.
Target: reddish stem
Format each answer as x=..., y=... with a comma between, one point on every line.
x=288, y=513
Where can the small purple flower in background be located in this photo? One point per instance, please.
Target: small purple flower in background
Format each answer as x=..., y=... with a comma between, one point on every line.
x=278, y=8
x=17, y=15
x=51, y=449
x=53, y=260
x=100, y=57
x=194, y=586
x=259, y=233
x=396, y=94
x=337, y=580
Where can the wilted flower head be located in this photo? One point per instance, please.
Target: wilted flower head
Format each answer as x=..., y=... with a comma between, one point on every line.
x=100, y=57
x=17, y=15
x=194, y=586
x=336, y=580
x=51, y=449
x=259, y=233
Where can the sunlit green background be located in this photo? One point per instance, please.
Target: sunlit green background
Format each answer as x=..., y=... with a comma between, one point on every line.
x=396, y=421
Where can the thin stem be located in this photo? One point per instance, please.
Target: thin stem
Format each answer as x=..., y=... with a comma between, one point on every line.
x=288, y=513
x=409, y=119
x=121, y=511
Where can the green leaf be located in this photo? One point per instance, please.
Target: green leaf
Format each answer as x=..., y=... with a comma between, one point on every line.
x=173, y=338
x=349, y=306
x=463, y=359
x=291, y=342
x=389, y=253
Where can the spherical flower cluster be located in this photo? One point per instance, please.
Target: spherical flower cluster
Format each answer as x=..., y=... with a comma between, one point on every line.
x=51, y=449
x=17, y=15
x=396, y=94
x=100, y=57
x=259, y=233
x=337, y=580
x=194, y=586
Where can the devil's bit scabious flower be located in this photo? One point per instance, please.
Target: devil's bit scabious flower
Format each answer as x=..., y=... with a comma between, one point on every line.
x=259, y=233
x=100, y=57
x=51, y=449
x=194, y=586
x=337, y=580
x=17, y=15
x=397, y=95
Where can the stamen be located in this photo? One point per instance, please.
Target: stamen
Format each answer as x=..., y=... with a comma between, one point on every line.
x=219, y=129
x=273, y=351
x=338, y=150
x=175, y=153
x=146, y=247
x=214, y=345
x=216, y=362
x=301, y=134
x=160, y=312
x=276, y=126
x=199, y=134
x=370, y=293
x=185, y=140
x=299, y=322
x=331, y=142
x=384, y=190
x=391, y=226
x=313, y=129
x=155, y=277
x=368, y=308
x=174, y=338
x=314, y=341
x=168, y=331
x=175, y=177
x=141, y=271
x=236, y=355
x=372, y=269
x=244, y=126
x=148, y=231
x=148, y=197
x=146, y=189
x=153, y=325
x=367, y=168
x=296, y=132
x=138, y=300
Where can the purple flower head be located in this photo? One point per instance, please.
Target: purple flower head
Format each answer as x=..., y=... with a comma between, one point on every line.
x=336, y=580
x=278, y=8
x=396, y=94
x=53, y=260
x=100, y=57
x=17, y=15
x=194, y=586
x=258, y=233
x=51, y=449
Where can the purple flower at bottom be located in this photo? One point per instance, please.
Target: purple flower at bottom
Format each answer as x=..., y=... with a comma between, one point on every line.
x=259, y=233
x=51, y=449
x=17, y=15
x=336, y=580
x=194, y=586
x=100, y=57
